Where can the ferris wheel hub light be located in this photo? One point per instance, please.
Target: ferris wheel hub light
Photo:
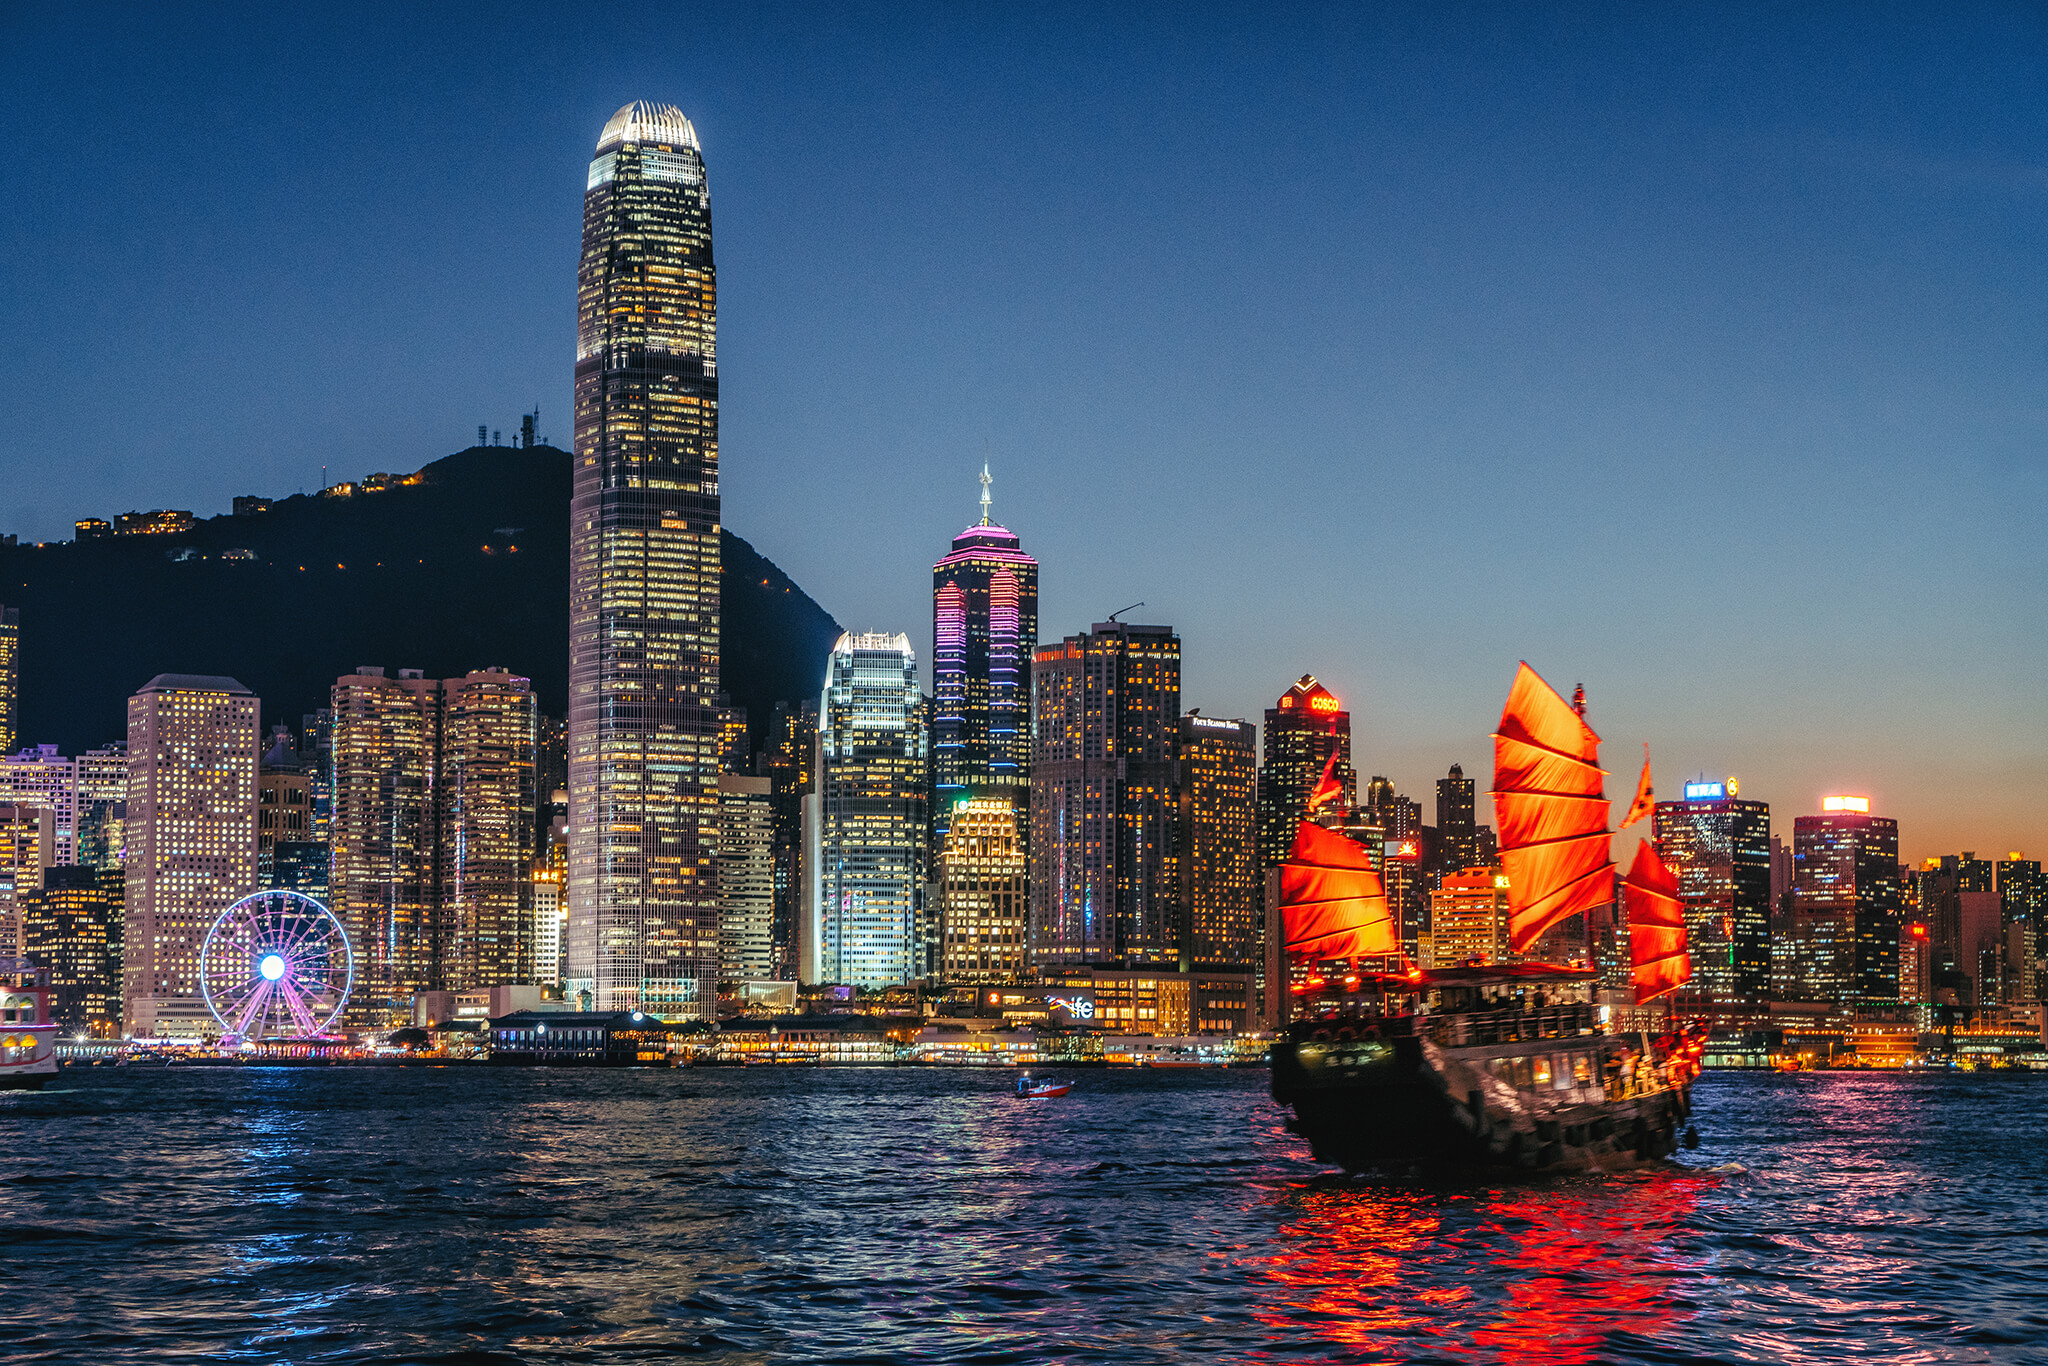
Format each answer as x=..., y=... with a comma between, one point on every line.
x=272, y=966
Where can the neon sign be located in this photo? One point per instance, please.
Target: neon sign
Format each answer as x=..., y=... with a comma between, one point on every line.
x=1211, y=723
x=1077, y=1006
x=1845, y=804
x=1324, y=703
x=1404, y=851
x=1705, y=792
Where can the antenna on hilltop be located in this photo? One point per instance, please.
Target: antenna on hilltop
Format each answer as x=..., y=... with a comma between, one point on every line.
x=1121, y=610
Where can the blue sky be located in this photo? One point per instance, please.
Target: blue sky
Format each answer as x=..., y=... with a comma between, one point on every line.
x=1693, y=354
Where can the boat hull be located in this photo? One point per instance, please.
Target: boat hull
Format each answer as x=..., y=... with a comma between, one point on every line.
x=1368, y=1104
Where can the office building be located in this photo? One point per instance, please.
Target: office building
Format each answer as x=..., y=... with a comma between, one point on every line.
x=1847, y=907
x=981, y=881
x=72, y=925
x=746, y=879
x=1216, y=849
x=193, y=748
x=1468, y=919
x=27, y=837
x=486, y=800
x=1106, y=714
x=873, y=788
x=1303, y=729
x=644, y=578
x=383, y=833
x=86, y=798
x=984, y=627
x=1718, y=846
x=1457, y=826
x=1409, y=858
x=284, y=804
x=549, y=923
x=2023, y=902
x=10, y=676
x=791, y=763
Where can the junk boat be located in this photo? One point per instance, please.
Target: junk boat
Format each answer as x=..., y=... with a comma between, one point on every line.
x=28, y=1036
x=1487, y=1065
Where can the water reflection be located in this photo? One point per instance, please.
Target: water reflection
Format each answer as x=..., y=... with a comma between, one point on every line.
x=1547, y=1274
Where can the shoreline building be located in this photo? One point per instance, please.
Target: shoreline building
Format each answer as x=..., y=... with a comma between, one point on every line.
x=73, y=927
x=1468, y=919
x=1847, y=910
x=644, y=579
x=10, y=676
x=984, y=918
x=27, y=841
x=1106, y=714
x=873, y=789
x=1719, y=847
x=193, y=746
x=791, y=762
x=1216, y=847
x=984, y=629
x=487, y=799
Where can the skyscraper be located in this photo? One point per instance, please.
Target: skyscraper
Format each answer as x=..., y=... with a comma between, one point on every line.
x=746, y=878
x=192, y=753
x=1106, y=713
x=486, y=800
x=27, y=836
x=644, y=578
x=73, y=927
x=386, y=733
x=1216, y=851
x=984, y=627
x=1719, y=848
x=874, y=783
x=983, y=912
x=10, y=676
x=792, y=764
x=1457, y=830
x=1846, y=903
x=1303, y=729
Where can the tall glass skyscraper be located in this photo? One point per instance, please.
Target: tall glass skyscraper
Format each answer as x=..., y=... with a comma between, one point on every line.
x=644, y=567
x=984, y=625
x=873, y=781
x=1719, y=848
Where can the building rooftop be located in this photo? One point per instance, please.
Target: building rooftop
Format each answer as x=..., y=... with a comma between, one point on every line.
x=641, y=121
x=194, y=683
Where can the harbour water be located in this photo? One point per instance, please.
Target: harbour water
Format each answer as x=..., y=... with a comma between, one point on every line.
x=506, y=1216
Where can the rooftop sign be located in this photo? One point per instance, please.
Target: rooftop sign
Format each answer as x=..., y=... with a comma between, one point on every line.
x=1845, y=804
x=1706, y=792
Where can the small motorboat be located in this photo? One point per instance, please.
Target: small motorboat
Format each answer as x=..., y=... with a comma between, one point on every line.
x=1028, y=1089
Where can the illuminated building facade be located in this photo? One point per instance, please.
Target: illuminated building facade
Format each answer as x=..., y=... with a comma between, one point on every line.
x=746, y=879
x=1216, y=849
x=486, y=802
x=1457, y=827
x=284, y=806
x=27, y=836
x=2023, y=902
x=1719, y=846
x=984, y=627
x=1847, y=907
x=791, y=759
x=86, y=797
x=10, y=676
x=548, y=923
x=73, y=927
x=984, y=913
x=644, y=578
x=1106, y=714
x=1405, y=867
x=1468, y=919
x=1303, y=729
x=193, y=747
x=383, y=833
x=874, y=786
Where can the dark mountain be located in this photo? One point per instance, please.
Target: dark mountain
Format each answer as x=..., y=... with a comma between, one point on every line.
x=466, y=568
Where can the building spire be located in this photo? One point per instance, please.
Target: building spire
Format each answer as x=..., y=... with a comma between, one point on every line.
x=984, y=493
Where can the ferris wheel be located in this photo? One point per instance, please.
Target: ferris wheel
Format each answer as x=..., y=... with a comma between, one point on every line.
x=276, y=965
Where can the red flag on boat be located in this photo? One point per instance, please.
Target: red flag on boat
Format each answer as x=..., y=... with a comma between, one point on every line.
x=1552, y=812
x=1656, y=926
x=1332, y=902
x=1646, y=796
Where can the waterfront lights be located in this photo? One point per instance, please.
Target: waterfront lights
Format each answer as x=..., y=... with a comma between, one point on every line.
x=272, y=966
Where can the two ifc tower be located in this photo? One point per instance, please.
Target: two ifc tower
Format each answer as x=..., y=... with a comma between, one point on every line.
x=643, y=598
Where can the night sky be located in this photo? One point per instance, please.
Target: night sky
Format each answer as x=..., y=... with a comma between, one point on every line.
x=1696, y=355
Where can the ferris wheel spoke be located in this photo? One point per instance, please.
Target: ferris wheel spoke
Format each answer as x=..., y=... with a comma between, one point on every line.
x=318, y=972
x=235, y=995
x=297, y=1005
x=252, y=1012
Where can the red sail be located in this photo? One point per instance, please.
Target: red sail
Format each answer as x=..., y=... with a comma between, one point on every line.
x=1332, y=903
x=1551, y=809
x=1645, y=803
x=1656, y=926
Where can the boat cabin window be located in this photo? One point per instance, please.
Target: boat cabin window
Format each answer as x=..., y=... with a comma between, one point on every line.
x=1582, y=1069
x=1542, y=1072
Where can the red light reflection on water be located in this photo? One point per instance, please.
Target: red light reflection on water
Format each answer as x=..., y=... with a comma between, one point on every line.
x=1542, y=1274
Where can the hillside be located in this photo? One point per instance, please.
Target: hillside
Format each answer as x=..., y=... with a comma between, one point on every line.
x=468, y=568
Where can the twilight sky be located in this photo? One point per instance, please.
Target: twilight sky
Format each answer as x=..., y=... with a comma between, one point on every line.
x=1697, y=356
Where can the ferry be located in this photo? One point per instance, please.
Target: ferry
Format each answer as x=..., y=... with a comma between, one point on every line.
x=28, y=1036
x=1487, y=1065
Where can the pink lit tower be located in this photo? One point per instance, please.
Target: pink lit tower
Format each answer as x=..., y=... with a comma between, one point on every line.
x=984, y=626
